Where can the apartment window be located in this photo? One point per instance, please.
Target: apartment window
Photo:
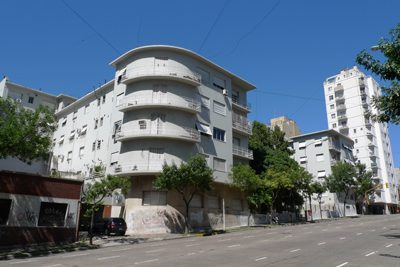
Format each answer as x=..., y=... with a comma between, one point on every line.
x=154, y=198
x=205, y=101
x=357, y=150
x=98, y=144
x=321, y=174
x=104, y=99
x=142, y=125
x=203, y=129
x=235, y=96
x=303, y=159
x=75, y=115
x=94, y=146
x=330, y=88
x=320, y=157
x=84, y=129
x=98, y=101
x=331, y=97
x=237, y=205
x=119, y=98
x=87, y=108
x=332, y=106
x=205, y=75
x=355, y=141
x=213, y=202
x=101, y=121
x=302, y=145
x=219, y=134
x=81, y=151
x=30, y=100
x=61, y=140
x=334, y=125
x=52, y=214
x=219, y=108
x=333, y=115
x=117, y=127
x=219, y=164
x=96, y=123
x=69, y=155
x=218, y=82
x=64, y=122
x=354, y=130
x=5, y=206
x=114, y=158
x=196, y=202
x=72, y=135
x=318, y=142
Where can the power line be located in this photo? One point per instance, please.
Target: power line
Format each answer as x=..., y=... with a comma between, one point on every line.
x=294, y=96
x=247, y=34
x=91, y=27
x=215, y=22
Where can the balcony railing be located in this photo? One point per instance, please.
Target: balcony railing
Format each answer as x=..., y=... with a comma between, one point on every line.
x=342, y=117
x=167, y=131
x=241, y=123
x=343, y=127
x=242, y=152
x=340, y=107
x=184, y=75
x=367, y=122
x=177, y=102
x=338, y=88
x=242, y=104
x=138, y=167
x=339, y=98
x=334, y=145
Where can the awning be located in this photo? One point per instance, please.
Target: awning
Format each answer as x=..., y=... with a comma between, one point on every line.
x=203, y=128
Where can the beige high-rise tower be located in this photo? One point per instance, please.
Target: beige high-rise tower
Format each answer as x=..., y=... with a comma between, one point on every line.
x=287, y=126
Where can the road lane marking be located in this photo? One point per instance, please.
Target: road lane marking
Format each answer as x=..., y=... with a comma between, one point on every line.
x=167, y=243
x=239, y=234
x=323, y=243
x=342, y=238
x=338, y=227
x=191, y=253
x=190, y=240
x=308, y=232
x=265, y=240
x=271, y=233
x=324, y=230
x=288, y=236
x=22, y=261
x=295, y=250
x=259, y=259
x=359, y=234
x=122, y=249
x=384, y=228
x=369, y=254
x=52, y=265
x=234, y=246
x=248, y=236
x=146, y=261
x=343, y=264
x=106, y=258
x=193, y=245
x=155, y=250
x=389, y=245
x=305, y=228
x=372, y=230
x=77, y=255
x=223, y=240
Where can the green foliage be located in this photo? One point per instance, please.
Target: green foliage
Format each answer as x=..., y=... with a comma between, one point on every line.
x=388, y=104
x=188, y=179
x=364, y=182
x=25, y=134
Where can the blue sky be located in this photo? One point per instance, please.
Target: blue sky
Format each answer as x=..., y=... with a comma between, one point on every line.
x=286, y=48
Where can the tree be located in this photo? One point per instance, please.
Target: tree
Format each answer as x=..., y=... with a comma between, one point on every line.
x=100, y=188
x=246, y=179
x=342, y=180
x=318, y=189
x=25, y=134
x=388, y=104
x=364, y=183
x=188, y=179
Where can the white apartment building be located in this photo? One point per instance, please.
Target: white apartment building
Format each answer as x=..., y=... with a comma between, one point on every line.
x=348, y=95
x=165, y=104
x=28, y=98
x=317, y=152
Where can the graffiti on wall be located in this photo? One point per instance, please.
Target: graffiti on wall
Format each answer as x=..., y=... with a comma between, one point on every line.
x=28, y=217
x=70, y=216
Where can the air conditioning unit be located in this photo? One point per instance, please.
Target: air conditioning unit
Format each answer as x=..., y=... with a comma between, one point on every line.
x=18, y=101
x=118, y=168
x=225, y=92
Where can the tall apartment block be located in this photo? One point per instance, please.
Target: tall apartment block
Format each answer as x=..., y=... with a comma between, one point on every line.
x=288, y=126
x=348, y=95
x=165, y=104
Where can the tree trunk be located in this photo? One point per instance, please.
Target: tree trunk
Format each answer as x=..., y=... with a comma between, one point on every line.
x=248, y=218
x=320, y=209
x=344, y=208
x=187, y=219
x=309, y=196
x=91, y=227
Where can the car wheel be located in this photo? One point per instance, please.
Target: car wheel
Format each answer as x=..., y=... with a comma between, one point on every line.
x=107, y=232
x=122, y=233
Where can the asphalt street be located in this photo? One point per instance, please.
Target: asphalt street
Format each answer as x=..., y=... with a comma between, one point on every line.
x=365, y=241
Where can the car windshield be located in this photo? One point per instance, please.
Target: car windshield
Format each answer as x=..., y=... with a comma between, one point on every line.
x=118, y=220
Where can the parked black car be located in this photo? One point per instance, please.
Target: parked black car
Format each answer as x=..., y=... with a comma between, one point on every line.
x=110, y=225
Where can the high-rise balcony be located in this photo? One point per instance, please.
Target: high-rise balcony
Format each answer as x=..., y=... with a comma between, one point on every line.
x=241, y=124
x=170, y=73
x=341, y=107
x=338, y=88
x=242, y=152
x=361, y=81
x=129, y=132
x=371, y=144
x=167, y=101
x=374, y=165
x=372, y=155
x=365, y=102
x=334, y=145
x=367, y=121
x=242, y=105
x=138, y=168
x=339, y=98
x=369, y=133
x=343, y=127
x=342, y=117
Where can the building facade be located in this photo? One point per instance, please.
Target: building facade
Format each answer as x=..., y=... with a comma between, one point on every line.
x=165, y=104
x=317, y=152
x=28, y=98
x=288, y=126
x=348, y=96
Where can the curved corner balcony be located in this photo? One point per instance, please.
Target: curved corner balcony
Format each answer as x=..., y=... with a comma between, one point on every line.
x=168, y=101
x=242, y=152
x=129, y=132
x=138, y=168
x=177, y=74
